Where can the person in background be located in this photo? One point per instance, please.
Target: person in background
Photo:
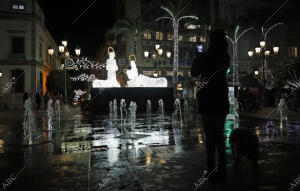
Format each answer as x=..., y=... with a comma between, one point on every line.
x=213, y=102
x=38, y=100
x=46, y=99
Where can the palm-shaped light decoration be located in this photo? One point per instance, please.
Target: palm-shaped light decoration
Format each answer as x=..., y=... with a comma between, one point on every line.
x=131, y=28
x=269, y=78
x=174, y=15
x=234, y=41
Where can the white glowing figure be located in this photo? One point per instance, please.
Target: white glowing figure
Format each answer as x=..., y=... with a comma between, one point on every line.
x=136, y=80
x=294, y=84
x=111, y=67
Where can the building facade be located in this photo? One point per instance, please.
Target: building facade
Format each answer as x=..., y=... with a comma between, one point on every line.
x=24, y=59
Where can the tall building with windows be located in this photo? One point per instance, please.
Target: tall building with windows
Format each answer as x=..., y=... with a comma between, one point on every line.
x=24, y=58
x=161, y=33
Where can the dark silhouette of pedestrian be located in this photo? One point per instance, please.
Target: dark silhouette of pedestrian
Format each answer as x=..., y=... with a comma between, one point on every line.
x=38, y=100
x=213, y=102
x=46, y=99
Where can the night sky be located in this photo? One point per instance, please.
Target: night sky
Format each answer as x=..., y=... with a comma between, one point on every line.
x=87, y=31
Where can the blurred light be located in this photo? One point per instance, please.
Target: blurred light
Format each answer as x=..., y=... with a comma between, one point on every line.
x=155, y=74
x=64, y=42
x=146, y=54
x=255, y=72
x=1, y=74
x=267, y=53
x=160, y=51
x=276, y=49
x=154, y=56
x=50, y=51
x=250, y=53
x=168, y=54
x=157, y=46
x=77, y=51
x=257, y=50
x=262, y=43
x=61, y=48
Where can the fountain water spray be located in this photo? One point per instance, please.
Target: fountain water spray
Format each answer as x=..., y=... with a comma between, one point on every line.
x=29, y=122
x=161, y=111
x=132, y=118
x=50, y=114
x=177, y=110
x=148, y=108
x=115, y=109
x=58, y=112
x=282, y=113
x=123, y=110
x=186, y=109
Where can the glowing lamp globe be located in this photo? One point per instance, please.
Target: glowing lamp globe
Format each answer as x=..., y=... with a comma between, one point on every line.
x=267, y=53
x=50, y=51
x=64, y=43
x=250, y=53
x=168, y=54
x=77, y=51
x=146, y=54
x=257, y=50
x=160, y=51
x=61, y=48
x=276, y=49
x=262, y=43
x=157, y=46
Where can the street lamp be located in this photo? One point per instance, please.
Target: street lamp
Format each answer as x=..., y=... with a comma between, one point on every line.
x=157, y=46
x=50, y=51
x=257, y=50
x=160, y=51
x=146, y=54
x=276, y=49
x=262, y=43
x=64, y=43
x=77, y=50
x=168, y=54
x=250, y=53
x=61, y=48
x=256, y=72
x=1, y=74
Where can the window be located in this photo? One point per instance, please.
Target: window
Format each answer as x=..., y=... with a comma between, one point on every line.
x=159, y=36
x=202, y=39
x=180, y=37
x=170, y=73
x=147, y=35
x=40, y=50
x=18, y=6
x=170, y=36
x=151, y=72
x=18, y=79
x=17, y=44
x=192, y=39
x=293, y=51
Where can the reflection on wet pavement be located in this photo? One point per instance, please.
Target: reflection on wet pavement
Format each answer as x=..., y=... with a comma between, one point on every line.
x=88, y=152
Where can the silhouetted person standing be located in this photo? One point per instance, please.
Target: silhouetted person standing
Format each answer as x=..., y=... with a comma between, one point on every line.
x=38, y=100
x=212, y=98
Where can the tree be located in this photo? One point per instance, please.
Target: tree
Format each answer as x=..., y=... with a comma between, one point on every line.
x=56, y=82
x=128, y=28
x=175, y=12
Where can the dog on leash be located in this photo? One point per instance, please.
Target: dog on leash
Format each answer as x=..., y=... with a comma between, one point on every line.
x=244, y=143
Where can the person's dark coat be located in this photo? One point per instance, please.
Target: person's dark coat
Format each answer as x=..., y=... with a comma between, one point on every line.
x=213, y=96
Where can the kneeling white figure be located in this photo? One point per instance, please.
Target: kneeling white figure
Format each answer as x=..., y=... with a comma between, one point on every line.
x=136, y=80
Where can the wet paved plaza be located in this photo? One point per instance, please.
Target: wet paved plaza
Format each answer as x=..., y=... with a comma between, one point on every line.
x=87, y=152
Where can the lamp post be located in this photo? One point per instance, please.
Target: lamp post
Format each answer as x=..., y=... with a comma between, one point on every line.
x=158, y=51
x=65, y=54
x=263, y=53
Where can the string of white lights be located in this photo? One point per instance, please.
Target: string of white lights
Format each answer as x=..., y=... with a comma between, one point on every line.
x=84, y=77
x=83, y=63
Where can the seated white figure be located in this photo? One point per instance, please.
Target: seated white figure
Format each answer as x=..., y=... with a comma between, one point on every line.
x=111, y=67
x=136, y=80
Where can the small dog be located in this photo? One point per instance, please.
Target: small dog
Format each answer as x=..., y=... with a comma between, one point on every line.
x=244, y=143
